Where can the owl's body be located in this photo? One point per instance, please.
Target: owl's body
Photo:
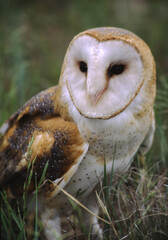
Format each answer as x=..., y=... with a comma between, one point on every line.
x=101, y=112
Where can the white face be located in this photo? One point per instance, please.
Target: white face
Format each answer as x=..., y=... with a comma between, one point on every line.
x=102, y=77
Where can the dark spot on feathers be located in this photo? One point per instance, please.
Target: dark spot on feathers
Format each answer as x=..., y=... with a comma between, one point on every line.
x=21, y=137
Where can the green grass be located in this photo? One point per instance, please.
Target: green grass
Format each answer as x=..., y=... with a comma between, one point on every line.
x=15, y=213
x=34, y=36
x=138, y=206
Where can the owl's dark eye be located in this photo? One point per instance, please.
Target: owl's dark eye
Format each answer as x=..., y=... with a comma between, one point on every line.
x=83, y=67
x=116, y=69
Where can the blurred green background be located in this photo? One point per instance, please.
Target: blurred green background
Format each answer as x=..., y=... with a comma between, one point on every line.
x=34, y=36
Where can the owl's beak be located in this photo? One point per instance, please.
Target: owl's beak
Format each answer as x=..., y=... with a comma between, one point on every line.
x=94, y=98
x=96, y=85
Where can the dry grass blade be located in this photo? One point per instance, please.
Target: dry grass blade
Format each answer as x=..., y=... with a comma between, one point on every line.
x=104, y=209
x=80, y=204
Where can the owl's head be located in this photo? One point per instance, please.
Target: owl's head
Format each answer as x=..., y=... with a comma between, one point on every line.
x=104, y=70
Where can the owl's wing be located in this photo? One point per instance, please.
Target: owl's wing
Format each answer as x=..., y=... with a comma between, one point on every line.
x=42, y=103
x=36, y=139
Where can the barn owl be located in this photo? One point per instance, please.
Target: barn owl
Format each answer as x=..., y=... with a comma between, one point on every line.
x=100, y=111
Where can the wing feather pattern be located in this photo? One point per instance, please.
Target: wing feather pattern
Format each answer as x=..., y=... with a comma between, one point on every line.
x=35, y=135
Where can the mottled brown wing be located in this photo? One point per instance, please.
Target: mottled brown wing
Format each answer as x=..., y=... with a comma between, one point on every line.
x=33, y=137
x=42, y=103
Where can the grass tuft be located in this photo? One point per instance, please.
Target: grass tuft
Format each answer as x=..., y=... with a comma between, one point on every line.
x=15, y=213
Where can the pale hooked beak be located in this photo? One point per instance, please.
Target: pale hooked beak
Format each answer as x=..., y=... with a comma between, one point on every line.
x=94, y=98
